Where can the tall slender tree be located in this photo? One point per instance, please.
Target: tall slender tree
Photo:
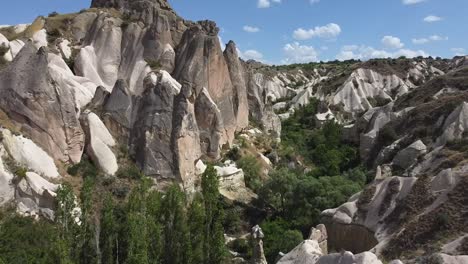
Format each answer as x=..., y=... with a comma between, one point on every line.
x=137, y=228
x=214, y=248
x=196, y=222
x=154, y=201
x=109, y=232
x=176, y=235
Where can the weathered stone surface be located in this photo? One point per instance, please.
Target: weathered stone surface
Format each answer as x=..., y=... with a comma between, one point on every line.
x=99, y=59
x=348, y=258
x=237, y=73
x=26, y=153
x=43, y=108
x=99, y=143
x=456, y=125
x=307, y=252
x=366, y=83
x=200, y=64
x=165, y=138
x=35, y=196
x=7, y=189
x=232, y=183
x=258, y=255
x=408, y=156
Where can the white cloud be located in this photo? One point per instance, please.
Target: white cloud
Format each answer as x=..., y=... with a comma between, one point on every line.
x=251, y=29
x=263, y=4
x=420, y=41
x=459, y=51
x=266, y=3
x=412, y=2
x=432, y=18
x=312, y=2
x=367, y=52
x=329, y=31
x=437, y=38
x=392, y=42
x=250, y=55
x=296, y=53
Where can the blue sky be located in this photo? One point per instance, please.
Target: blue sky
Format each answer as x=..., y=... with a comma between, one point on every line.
x=287, y=31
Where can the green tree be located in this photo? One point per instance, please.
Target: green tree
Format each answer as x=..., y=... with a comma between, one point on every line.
x=196, y=221
x=279, y=238
x=154, y=201
x=65, y=218
x=252, y=169
x=214, y=233
x=137, y=228
x=109, y=232
x=175, y=230
x=86, y=244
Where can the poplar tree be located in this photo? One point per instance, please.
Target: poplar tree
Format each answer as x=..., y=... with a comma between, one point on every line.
x=197, y=224
x=214, y=248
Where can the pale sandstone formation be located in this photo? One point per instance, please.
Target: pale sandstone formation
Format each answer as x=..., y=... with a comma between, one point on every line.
x=26, y=153
x=35, y=196
x=7, y=189
x=29, y=92
x=366, y=83
x=99, y=143
x=258, y=256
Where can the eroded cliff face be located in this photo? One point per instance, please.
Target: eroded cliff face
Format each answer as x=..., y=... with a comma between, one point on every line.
x=135, y=74
x=162, y=86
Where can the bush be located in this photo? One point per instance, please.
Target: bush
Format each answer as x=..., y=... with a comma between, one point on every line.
x=252, y=170
x=24, y=240
x=53, y=14
x=241, y=246
x=85, y=168
x=129, y=172
x=154, y=65
x=279, y=238
x=388, y=135
x=3, y=50
x=234, y=154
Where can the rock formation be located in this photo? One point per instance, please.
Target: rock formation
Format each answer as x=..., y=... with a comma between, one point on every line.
x=258, y=256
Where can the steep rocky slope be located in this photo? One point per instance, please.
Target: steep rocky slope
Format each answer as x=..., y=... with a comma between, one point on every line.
x=133, y=75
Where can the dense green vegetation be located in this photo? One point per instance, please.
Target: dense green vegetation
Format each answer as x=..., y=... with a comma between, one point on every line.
x=317, y=170
x=148, y=227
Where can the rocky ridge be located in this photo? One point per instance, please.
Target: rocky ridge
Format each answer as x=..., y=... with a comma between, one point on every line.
x=135, y=73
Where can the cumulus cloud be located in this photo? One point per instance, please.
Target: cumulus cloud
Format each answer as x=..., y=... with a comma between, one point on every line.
x=367, y=52
x=432, y=18
x=420, y=41
x=251, y=29
x=297, y=53
x=391, y=42
x=251, y=55
x=412, y=2
x=266, y=3
x=459, y=51
x=329, y=31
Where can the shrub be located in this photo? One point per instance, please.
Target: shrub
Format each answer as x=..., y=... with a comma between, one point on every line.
x=154, y=65
x=129, y=172
x=3, y=50
x=234, y=154
x=242, y=246
x=53, y=14
x=121, y=192
x=252, y=170
x=85, y=168
x=279, y=238
x=388, y=135
x=24, y=240
x=232, y=222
